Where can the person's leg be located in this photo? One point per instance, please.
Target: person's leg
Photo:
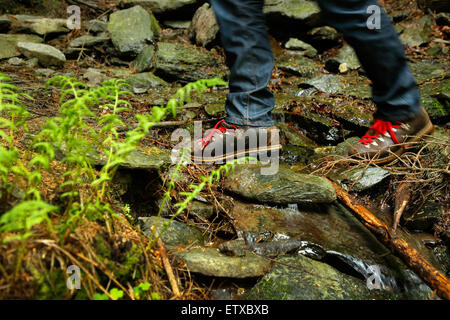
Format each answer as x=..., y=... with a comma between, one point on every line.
x=381, y=54
x=250, y=60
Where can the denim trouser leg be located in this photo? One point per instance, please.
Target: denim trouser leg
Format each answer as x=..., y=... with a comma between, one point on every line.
x=381, y=54
x=250, y=60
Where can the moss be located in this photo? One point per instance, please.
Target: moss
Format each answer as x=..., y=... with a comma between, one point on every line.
x=130, y=263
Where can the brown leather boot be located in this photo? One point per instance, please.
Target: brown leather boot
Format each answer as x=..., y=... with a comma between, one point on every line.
x=227, y=141
x=385, y=139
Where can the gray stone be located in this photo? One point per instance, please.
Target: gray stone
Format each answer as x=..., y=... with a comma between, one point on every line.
x=346, y=55
x=176, y=61
x=303, y=47
x=145, y=60
x=424, y=218
x=16, y=61
x=204, y=27
x=324, y=37
x=361, y=179
x=95, y=77
x=31, y=63
x=332, y=84
x=292, y=12
x=44, y=72
x=425, y=70
x=130, y=29
x=177, y=24
x=141, y=82
x=88, y=41
x=8, y=44
x=417, y=32
x=45, y=26
x=47, y=55
x=173, y=233
x=97, y=26
x=285, y=186
x=210, y=262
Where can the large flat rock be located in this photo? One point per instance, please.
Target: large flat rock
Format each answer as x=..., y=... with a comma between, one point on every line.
x=47, y=55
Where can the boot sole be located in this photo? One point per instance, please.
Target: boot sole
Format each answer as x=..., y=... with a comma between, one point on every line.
x=257, y=151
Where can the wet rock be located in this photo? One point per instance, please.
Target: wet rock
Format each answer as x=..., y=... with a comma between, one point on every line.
x=5, y=23
x=291, y=154
x=210, y=262
x=145, y=60
x=173, y=233
x=301, y=278
x=130, y=29
x=88, y=41
x=175, y=61
x=204, y=27
x=324, y=37
x=201, y=210
x=141, y=82
x=343, y=148
x=361, y=179
x=417, y=32
x=47, y=55
x=425, y=70
x=177, y=24
x=332, y=84
x=298, y=65
x=295, y=137
x=435, y=98
x=285, y=186
x=97, y=26
x=424, y=218
x=303, y=47
x=346, y=55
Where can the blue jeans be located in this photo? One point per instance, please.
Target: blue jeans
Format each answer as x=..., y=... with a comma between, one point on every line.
x=250, y=59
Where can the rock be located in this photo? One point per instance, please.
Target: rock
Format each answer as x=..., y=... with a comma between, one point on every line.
x=330, y=83
x=88, y=41
x=177, y=24
x=443, y=19
x=424, y=218
x=16, y=61
x=8, y=44
x=204, y=27
x=435, y=98
x=145, y=59
x=31, y=63
x=213, y=109
x=175, y=61
x=163, y=6
x=141, y=82
x=95, y=77
x=173, y=233
x=343, y=148
x=5, y=23
x=417, y=32
x=346, y=55
x=97, y=26
x=291, y=15
x=426, y=70
x=47, y=55
x=283, y=187
x=130, y=29
x=361, y=179
x=298, y=65
x=44, y=72
x=294, y=155
x=210, y=262
x=295, y=137
x=303, y=47
x=201, y=210
x=301, y=278
x=44, y=26
x=324, y=37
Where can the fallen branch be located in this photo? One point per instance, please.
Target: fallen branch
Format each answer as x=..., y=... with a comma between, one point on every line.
x=166, y=263
x=412, y=258
x=401, y=201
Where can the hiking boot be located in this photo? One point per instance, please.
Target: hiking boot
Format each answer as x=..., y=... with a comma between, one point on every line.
x=385, y=140
x=226, y=142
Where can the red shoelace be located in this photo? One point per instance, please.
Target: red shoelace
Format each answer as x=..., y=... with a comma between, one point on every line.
x=217, y=128
x=380, y=127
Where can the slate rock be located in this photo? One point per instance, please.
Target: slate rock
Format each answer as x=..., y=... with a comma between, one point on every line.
x=47, y=55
